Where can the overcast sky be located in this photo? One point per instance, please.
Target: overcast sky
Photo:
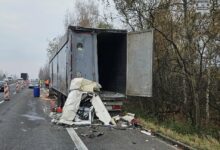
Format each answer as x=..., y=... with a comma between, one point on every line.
x=25, y=27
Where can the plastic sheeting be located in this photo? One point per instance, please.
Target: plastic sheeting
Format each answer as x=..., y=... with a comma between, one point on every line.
x=71, y=107
x=100, y=110
x=84, y=85
x=78, y=87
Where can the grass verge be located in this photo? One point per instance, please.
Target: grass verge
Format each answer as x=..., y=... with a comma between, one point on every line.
x=194, y=140
x=203, y=139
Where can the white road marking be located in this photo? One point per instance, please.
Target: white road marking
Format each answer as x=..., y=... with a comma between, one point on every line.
x=33, y=117
x=2, y=102
x=24, y=130
x=76, y=139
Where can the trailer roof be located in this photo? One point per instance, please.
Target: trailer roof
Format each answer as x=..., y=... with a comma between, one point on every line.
x=64, y=38
x=97, y=30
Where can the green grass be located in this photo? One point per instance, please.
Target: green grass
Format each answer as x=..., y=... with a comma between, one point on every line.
x=204, y=139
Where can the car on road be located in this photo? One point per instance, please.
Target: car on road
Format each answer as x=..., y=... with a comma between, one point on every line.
x=6, y=80
x=33, y=83
x=20, y=80
x=2, y=85
x=10, y=79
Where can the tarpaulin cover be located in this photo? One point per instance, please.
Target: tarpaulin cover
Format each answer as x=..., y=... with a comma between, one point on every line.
x=71, y=107
x=77, y=88
x=84, y=85
x=100, y=110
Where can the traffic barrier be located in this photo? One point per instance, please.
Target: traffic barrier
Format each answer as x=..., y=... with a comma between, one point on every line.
x=6, y=92
x=25, y=84
x=17, y=87
x=22, y=84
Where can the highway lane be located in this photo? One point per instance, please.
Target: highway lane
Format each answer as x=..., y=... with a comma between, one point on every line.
x=115, y=139
x=25, y=126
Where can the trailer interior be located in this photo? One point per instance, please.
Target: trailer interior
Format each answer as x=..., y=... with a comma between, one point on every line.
x=111, y=48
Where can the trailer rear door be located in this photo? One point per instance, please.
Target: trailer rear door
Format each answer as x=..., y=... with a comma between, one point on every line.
x=85, y=56
x=139, y=64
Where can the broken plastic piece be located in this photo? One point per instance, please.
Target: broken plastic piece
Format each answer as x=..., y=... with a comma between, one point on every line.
x=145, y=132
x=128, y=117
x=101, y=111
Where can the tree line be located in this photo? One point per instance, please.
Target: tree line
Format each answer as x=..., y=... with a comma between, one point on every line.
x=186, y=57
x=186, y=66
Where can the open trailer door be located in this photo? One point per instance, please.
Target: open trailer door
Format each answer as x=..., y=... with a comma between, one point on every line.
x=139, y=63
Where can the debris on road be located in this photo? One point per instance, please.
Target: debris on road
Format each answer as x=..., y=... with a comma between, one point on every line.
x=82, y=103
x=125, y=121
x=146, y=132
x=93, y=134
x=101, y=111
x=128, y=117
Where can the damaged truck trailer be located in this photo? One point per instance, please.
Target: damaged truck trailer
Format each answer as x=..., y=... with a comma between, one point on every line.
x=120, y=61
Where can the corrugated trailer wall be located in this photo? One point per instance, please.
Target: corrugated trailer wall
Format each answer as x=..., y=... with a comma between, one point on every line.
x=54, y=74
x=61, y=79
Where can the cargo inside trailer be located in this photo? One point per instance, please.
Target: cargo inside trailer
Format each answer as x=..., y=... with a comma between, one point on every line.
x=111, y=48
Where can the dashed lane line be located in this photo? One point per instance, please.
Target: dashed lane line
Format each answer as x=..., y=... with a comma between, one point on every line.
x=1, y=101
x=76, y=139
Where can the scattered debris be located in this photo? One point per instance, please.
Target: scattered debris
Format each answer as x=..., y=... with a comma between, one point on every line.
x=134, y=143
x=101, y=111
x=135, y=122
x=128, y=117
x=146, y=132
x=52, y=106
x=93, y=134
x=83, y=104
x=116, y=118
x=127, y=120
x=59, y=109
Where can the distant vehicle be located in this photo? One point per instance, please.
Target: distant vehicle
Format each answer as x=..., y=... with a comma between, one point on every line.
x=33, y=83
x=24, y=76
x=6, y=80
x=20, y=80
x=10, y=79
x=2, y=85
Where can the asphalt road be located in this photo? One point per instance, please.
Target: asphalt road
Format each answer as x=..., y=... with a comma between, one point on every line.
x=114, y=139
x=25, y=125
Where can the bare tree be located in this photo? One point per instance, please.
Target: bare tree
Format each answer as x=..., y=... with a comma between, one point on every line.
x=86, y=14
x=52, y=46
x=44, y=72
x=184, y=53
